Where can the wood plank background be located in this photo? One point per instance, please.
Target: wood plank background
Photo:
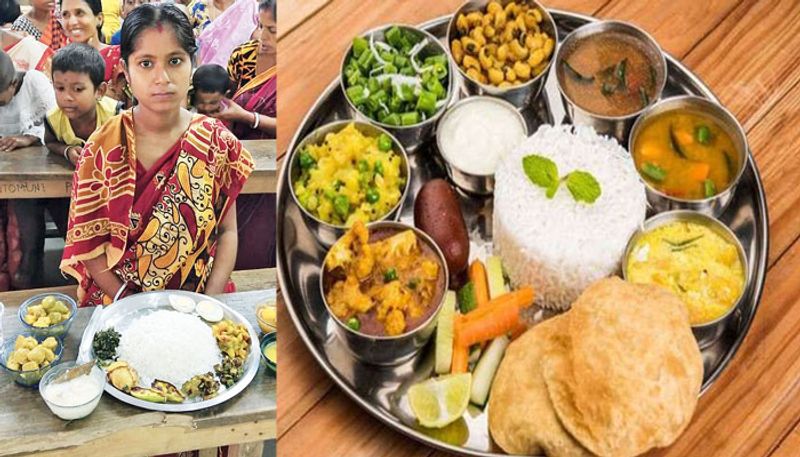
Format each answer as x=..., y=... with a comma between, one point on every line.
x=748, y=52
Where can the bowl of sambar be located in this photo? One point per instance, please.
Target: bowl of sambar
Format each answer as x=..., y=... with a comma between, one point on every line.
x=690, y=153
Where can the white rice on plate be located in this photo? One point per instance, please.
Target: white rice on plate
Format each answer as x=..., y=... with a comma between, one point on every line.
x=558, y=245
x=170, y=346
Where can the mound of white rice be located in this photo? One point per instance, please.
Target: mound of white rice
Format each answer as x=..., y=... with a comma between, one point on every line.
x=558, y=245
x=170, y=346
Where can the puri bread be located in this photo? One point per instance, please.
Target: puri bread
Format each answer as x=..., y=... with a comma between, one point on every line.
x=631, y=377
x=521, y=417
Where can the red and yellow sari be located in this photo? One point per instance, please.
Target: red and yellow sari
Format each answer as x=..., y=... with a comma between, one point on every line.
x=157, y=227
x=259, y=95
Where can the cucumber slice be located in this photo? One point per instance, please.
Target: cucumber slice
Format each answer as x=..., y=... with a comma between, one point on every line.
x=444, y=334
x=466, y=298
x=483, y=375
x=494, y=275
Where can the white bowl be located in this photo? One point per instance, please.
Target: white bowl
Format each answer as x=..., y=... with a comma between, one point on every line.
x=72, y=411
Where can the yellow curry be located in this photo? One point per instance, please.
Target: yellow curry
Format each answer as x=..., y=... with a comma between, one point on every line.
x=686, y=154
x=382, y=283
x=694, y=262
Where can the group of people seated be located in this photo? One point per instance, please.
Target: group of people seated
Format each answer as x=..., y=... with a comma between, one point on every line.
x=151, y=126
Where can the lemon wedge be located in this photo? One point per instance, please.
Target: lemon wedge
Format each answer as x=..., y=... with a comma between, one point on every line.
x=440, y=401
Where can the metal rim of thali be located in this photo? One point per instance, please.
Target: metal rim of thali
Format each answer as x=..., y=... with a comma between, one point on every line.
x=761, y=243
x=251, y=364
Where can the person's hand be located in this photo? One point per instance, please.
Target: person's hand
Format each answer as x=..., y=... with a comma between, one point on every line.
x=73, y=154
x=231, y=112
x=9, y=143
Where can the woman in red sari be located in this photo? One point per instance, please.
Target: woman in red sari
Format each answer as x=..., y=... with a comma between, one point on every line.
x=154, y=195
x=253, y=113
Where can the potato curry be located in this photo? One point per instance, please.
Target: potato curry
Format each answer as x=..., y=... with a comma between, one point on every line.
x=383, y=282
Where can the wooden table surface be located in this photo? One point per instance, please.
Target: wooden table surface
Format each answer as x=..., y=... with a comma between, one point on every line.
x=36, y=173
x=117, y=429
x=748, y=52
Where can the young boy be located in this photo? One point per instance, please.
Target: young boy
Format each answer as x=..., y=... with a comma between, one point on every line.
x=211, y=84
x=127, y=7
x=78, y=72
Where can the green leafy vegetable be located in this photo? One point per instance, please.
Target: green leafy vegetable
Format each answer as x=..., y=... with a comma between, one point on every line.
x=105, y=344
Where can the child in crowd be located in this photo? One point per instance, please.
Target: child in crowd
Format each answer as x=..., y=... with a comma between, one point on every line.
x=25, y=99
x=82, y=107
x=127, y=7
x=211, y=85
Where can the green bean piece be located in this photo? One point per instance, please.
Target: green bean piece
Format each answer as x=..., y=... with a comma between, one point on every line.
x=354, y=324
x=372, y=195
x=702, y=134
x=384, y=142
x=621, y=73
x=409, y=118
x=709, y=188
x=360, y=44
x=356, y=94
x=394, y=37
x=341, y=206
x=392, y=119
x=654, y=172
x=390, y=275
x=426, y=102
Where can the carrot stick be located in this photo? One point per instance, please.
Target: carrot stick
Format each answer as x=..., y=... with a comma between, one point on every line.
x=699, y=171
x=477, y=274
x=460, y=359
x=523, y=297
x=502, y=320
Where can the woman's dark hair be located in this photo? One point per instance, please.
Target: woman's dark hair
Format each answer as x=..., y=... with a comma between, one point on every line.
x=81, y=58
x=9, y=11
x=148, y=16
x=211, y=78
x=96, y=8
x=269, y=5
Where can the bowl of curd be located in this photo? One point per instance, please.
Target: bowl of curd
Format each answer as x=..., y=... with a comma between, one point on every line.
x=75, y=398
x=472, y=137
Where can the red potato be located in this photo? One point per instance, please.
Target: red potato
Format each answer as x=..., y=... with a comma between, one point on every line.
x=438, y=213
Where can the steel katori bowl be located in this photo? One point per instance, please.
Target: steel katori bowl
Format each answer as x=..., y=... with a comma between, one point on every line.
x=324, y=232
x=388, y=350
x=410, y=136
x=712, y=206
x=520, y=95
x=615, y=126
x=478, y=184
x=708, y=332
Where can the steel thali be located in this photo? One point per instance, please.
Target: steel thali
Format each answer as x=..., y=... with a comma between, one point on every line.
x=380, y=390
x=122, y=313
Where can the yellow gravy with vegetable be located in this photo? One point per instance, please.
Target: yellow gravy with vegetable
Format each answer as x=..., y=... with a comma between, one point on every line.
x=694, y=262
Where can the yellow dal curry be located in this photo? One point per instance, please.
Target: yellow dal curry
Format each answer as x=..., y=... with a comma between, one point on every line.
x=695, y=263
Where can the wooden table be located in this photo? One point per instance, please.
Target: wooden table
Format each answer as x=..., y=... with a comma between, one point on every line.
x=36, y=173
x=748, y=53
x=118, y=429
